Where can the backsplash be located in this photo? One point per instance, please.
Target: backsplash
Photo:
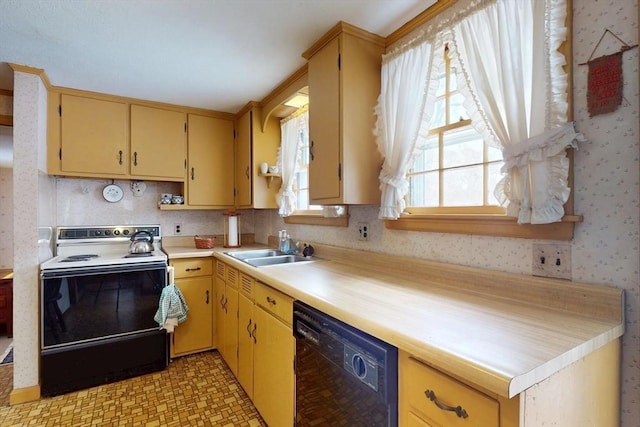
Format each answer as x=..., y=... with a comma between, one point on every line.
x=80, y=202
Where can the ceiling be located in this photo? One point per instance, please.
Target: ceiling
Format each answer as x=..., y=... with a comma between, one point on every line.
x=213, y=54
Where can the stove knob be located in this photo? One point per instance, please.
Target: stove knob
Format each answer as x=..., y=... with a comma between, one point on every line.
x=98, y=232
x=107, y=232
x=126, y=232
x=116, y=232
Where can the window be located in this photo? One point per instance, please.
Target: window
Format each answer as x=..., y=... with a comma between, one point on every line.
x=301, y=181
x=454, y=169
x=517, y=93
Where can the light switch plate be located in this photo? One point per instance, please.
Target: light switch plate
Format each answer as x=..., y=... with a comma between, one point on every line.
x=551, y=260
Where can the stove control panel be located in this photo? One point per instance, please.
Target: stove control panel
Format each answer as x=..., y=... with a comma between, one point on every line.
x=109, y=232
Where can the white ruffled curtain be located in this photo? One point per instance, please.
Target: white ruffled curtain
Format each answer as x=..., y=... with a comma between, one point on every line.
x=400, y=111
x=292, y=130
x=515, y=90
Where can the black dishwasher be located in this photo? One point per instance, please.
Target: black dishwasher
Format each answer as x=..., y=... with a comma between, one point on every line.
x=344, y=377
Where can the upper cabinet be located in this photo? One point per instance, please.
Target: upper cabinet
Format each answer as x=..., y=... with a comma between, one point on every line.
x=93, y=138
x=158, y=143
x=344, y=83
x=255, y=145
x=210, y=168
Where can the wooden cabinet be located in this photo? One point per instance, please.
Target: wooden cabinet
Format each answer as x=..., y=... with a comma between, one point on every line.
x=210, y=179
x=260, y=350
x=344, y=83
x=431, y=398
x=274, y=350
x=227, y=314
x=6, y=301
x=195, y=281
x=93, y=137
x=158, y=143
x=253, y=147
x=246, y=333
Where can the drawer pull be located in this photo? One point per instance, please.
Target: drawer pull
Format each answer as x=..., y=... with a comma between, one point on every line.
x=192, y=269
x=271, y=300
x=207, y=297
x=460, y=412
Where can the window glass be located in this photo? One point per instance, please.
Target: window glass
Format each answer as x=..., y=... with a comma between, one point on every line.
x=453, y=166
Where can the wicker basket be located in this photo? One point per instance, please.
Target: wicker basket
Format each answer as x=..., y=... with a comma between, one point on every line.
x=205, y=242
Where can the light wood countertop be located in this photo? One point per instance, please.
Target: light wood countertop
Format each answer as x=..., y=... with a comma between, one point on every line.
x=503, y=332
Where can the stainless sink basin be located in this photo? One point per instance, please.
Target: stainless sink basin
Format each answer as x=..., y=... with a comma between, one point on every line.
x=275, y=260
x=264, y=257
x=254, y=253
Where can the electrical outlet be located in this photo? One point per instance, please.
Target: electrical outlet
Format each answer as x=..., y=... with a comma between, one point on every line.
x=550, y=260
x=363, y=231
x=178, y=229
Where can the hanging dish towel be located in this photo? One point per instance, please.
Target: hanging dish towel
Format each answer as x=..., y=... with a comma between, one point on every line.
x=172, y=309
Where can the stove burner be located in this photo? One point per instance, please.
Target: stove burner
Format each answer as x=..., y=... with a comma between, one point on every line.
x=139, y=255
x=76, y=258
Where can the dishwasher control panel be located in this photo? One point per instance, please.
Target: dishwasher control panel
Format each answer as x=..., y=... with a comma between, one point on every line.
x=359, y=365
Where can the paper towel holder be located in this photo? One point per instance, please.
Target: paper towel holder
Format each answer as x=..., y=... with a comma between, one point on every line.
x=232, y=236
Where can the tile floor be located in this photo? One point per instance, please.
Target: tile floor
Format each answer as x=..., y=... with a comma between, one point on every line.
x=196, y=390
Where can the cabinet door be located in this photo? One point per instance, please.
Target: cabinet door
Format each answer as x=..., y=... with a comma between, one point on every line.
x=324, y=123
x=243, y=160
x=210, y=151
x=93, y=136
x=195, y=333
x=158, y=143
x=230, y=342
x=219, y=313
x=245, y=344
x=273, y=383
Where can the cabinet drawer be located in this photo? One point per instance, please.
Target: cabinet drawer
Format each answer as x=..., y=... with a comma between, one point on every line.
x=275, y=302
x=221, y=269
x=419, y=380
x=192, y=267
x=232, y=277
x=247, y=285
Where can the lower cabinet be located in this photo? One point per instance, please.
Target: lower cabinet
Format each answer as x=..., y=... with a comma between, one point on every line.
x=273, y=355
x=264, y=348
x=194, y=279
x=227, y=314
x=430, y=398
x=246, y=333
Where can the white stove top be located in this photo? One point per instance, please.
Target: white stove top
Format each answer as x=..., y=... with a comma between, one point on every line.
x=119, y=258
x=101, y=246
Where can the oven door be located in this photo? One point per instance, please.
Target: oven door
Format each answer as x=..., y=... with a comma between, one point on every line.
x=80, y=305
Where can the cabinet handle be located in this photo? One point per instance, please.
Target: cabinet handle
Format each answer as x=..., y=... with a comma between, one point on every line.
x=253, y=333
x=249, y=328
x=311, y=150
x=271, y=300
x=192, y=269
x=193, y=173
x=460, y=412
x=120, y=158
x=246, y=172
x=135, y=158
x=222, y=301
x=207, y=301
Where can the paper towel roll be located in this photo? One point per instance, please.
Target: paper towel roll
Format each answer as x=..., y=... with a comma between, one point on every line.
x=233, y=231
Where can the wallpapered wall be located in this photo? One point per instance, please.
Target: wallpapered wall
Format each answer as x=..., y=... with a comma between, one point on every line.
x=605, y=247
